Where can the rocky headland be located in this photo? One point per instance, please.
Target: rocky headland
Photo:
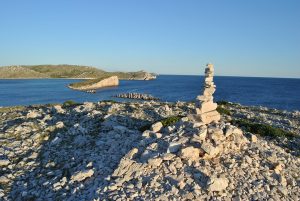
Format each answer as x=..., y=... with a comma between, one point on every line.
x=149, y=151
x=96, y=83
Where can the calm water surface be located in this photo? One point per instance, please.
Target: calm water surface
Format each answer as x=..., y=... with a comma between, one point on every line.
x=277, y=93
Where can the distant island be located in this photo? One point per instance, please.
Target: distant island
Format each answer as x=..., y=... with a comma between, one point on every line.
x=97, y=78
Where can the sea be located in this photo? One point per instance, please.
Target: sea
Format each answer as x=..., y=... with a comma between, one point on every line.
x=278, y=93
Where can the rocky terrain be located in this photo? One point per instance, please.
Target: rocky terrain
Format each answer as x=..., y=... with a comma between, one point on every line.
x=137, y=96
x=146, y=151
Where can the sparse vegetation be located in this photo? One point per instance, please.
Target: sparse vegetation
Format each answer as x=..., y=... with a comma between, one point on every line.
x=11, y=109
x=222, y=102
x=170, y=120
x=109, y=101
x=263, y=129
x=165, y=122
x=69, y=103
x=223, y=110
x=63, y=71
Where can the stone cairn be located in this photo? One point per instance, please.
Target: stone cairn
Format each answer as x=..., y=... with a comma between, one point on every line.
x=205, y=107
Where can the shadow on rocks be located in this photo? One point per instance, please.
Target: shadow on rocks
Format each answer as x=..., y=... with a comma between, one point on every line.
x=75, y=161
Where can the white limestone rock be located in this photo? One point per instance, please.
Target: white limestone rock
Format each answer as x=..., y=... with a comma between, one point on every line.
x=156, y=127
x=4, y=162
x=190, y=153
x=217, y=184
x=82, y=175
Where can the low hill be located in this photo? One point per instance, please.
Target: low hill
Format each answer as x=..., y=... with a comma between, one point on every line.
x=10, y=72
x=67, y=71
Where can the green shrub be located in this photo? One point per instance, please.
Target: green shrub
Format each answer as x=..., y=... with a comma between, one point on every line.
x=69, y=103
x=165, y=122
x=263, y=129
x=109, y=101
x=222, y=102
x=222, y=110
x=170, y=120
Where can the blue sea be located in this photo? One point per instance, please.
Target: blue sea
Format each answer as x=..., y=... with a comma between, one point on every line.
x=279, y=93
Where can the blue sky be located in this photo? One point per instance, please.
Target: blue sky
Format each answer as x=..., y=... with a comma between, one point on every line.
x=247, y=38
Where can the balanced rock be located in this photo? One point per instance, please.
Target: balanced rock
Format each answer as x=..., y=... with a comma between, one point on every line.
x=205, y=107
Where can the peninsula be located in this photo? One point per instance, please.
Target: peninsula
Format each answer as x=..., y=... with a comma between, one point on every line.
x=97, y=78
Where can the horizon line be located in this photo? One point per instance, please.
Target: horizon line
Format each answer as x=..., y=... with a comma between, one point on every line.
x=103, y=68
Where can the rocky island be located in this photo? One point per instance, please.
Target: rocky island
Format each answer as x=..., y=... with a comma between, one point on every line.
x=98, y=83
x=67, y=72
x=149, y=151
x=97, y=78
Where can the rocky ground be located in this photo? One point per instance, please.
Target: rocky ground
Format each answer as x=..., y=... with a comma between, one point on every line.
x=145, y=151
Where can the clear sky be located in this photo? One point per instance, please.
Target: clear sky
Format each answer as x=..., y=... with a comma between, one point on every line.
x=241, y=37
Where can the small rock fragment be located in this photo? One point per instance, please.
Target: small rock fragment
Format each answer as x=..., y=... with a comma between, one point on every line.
x=82, y=175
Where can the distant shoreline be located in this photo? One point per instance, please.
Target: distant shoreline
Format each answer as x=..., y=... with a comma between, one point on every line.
x=46, y=78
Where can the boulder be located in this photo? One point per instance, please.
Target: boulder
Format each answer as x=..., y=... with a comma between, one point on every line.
x=253, y=138
x=58, y=109
x=217, y=184
x=32, y=114
x=156, y=127
x=190, y=153
x=4, y=180
x=155, y=162
x=4, y=162
x=209, y=149
x=174, y=147
x=82, y=175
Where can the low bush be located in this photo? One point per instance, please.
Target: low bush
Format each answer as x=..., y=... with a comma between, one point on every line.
x=222, y=110
x=69, y=103
x=109, y=101
x=170, y=120
x=263, y=129
x=165, y=122
x=222, y=102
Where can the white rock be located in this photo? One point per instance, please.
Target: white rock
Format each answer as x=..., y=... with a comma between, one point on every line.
x=155, y=162
x=58, y=109
x=210, y=149
x=59, y=125
x=253, y=138
x=82, y=175
x=156, y=127
x=32, y=115
x=4, y=162
x=217, y=184
x=190, y=153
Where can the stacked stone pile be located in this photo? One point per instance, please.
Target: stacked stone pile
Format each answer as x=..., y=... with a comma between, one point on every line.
x=205, y=107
